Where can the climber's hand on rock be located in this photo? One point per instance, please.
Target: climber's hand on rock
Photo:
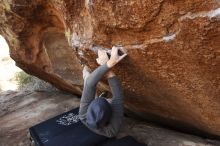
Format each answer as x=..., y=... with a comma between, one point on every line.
x=115, y=56
x=102, y=57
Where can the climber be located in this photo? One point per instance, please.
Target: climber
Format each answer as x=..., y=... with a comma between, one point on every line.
x=100, y=115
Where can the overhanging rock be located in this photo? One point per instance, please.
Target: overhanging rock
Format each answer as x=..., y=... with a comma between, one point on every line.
x=173, y=68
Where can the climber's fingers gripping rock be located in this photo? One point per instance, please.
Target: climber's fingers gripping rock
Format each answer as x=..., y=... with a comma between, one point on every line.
x=102, y=57
x=117, y=54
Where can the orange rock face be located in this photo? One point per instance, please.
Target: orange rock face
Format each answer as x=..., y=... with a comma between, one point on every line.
x=171, y=73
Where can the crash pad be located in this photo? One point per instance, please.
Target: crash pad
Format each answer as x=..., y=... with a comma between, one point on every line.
x=64, y=130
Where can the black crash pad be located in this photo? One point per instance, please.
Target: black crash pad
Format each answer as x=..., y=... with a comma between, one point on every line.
x=64, y=130
x=125, y=141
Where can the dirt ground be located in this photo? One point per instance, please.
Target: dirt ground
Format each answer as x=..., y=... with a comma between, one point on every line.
x=19, y=111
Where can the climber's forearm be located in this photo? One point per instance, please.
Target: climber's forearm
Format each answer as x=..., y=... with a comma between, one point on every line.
x=96, y=75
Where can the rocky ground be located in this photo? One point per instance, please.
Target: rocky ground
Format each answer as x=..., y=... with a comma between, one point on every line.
x=21, y=110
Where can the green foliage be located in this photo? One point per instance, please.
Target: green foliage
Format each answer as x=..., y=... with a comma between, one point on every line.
x=23, y=79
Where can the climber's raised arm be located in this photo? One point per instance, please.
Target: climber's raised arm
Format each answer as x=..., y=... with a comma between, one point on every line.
x=90, y=82
x=98, y=114
x=113, y=127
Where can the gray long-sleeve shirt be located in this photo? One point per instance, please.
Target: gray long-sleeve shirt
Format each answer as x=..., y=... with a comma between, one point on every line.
x=88, y=95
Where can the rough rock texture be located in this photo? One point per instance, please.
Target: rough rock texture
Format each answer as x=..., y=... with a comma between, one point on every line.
x=172, y=73
x=21, y=110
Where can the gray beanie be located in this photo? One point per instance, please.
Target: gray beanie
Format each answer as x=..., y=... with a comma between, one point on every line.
x=99, y=113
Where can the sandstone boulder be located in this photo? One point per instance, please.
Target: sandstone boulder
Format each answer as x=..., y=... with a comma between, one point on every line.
x=172, y=72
